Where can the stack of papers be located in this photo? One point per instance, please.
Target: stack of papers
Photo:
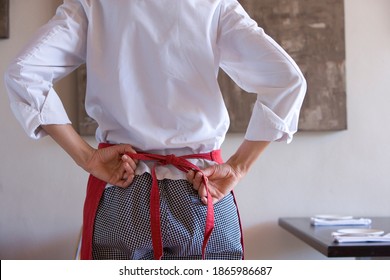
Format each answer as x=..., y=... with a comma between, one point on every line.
x=345, y=239
x=360, y=235
x=334, y=220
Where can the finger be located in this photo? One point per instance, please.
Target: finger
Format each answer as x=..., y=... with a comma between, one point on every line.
x=209, y=171
x=214, y=199
x=190, y=176
x=202, y=192
x=129, y=166
x=129, y=171
x=129, y=150
x=127, y=181
x=216, y=194
x=209, y=193
x=123, y=175
x=129, y=162
x=198, y=179
x=124, y=149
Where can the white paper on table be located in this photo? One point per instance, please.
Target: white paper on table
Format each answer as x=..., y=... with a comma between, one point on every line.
x=345, y=239
x=342, y=222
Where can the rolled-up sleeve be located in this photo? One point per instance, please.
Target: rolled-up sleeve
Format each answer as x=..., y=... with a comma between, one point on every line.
x=56, y=50
x=259, y=65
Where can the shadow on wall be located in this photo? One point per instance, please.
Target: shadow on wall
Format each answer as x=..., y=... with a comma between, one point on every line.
x=61, y=248
x=267, y=241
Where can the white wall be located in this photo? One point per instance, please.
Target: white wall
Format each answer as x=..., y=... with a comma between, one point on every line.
x=42, y=191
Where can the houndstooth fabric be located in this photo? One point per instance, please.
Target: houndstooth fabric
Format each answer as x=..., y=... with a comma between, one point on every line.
x=122, y=225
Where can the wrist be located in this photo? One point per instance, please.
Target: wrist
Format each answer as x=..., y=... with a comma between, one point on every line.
x=245, y=156
x=76, y=147
x=240, y=168
x=84, y=156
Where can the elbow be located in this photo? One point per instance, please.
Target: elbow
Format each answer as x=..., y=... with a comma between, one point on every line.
x=298, y=82
x=302, y=82
x=297, y=77
x=12, y=75
x=8, y=74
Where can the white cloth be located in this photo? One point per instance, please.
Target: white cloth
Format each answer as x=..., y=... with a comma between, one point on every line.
x=152, y=73
x=353, y=239
x=341, y=222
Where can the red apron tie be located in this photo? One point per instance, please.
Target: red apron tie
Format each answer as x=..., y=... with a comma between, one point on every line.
x=184, y=165
x=181, y=163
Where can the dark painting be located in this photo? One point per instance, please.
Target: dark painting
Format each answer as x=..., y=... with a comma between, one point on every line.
x=4, y=18
x=312, y=32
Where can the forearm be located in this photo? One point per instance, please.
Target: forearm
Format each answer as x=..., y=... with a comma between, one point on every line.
x=245, y=156
x=110, y=164
x=65, y=135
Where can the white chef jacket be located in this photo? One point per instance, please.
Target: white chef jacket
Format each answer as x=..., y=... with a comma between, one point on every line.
x=152, y=71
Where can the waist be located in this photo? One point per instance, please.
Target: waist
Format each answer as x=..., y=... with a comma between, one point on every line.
x=169, y=171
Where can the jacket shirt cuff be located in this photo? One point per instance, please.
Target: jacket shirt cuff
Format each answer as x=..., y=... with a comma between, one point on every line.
x=265, y=125
x=52, y=112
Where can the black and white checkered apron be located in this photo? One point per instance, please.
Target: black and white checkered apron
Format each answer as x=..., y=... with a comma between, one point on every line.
x=122, y=227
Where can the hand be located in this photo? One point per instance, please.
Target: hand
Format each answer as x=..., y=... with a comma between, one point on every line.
x=112, y=165
x=224, y=177
x=221, y=180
